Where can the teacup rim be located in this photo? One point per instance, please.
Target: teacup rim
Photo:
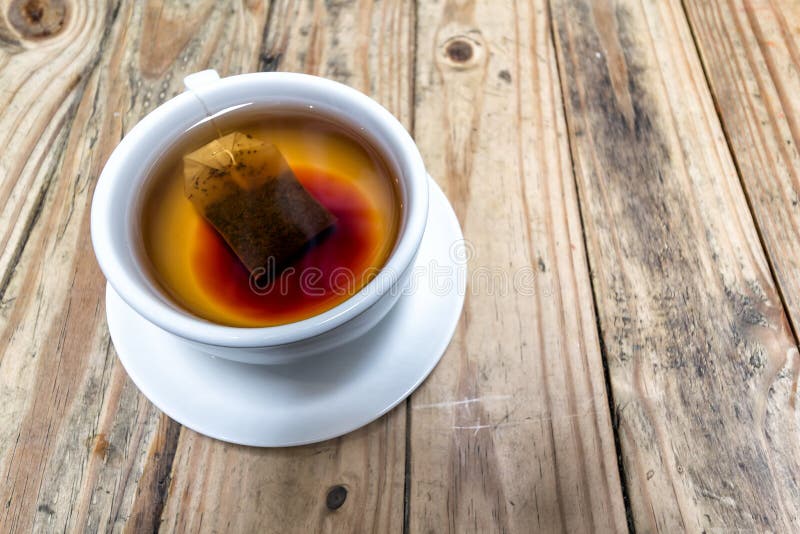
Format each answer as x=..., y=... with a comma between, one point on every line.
x=194, y=328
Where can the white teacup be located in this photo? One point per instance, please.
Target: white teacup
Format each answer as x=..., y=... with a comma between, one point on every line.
x=118, y=198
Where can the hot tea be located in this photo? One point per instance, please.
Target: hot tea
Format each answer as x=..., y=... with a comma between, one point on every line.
x=238, y=261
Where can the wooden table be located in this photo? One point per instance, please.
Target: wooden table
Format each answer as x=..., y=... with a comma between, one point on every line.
x=640, y=155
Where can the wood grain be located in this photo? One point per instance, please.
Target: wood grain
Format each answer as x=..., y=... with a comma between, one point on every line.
x=513, y=105
x=80, y=448
x=219, y=487
x=511, y=433
x=702, y=361
x=751, y=53
x=30, y=124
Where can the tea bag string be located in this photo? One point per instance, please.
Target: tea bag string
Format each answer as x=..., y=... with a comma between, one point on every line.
x=213, y=123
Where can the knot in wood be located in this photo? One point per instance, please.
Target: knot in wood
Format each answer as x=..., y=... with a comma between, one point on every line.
x=37, y=19
x=336, y=497
x=462, y=51
x=459, y=50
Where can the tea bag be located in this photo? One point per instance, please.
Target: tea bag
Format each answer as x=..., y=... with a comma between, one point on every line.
x=246, y=190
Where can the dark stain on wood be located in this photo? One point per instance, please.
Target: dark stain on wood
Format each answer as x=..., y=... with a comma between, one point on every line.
x=37, y=19
x=336, y=497
x=269, y=61
x=156, y=478
x=504, y=75
x=638, y=171
x=45, y=509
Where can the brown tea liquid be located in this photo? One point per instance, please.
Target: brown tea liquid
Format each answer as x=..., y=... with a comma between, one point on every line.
x=197, y=269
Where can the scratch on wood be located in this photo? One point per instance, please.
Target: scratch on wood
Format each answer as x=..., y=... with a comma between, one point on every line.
x=528, y=420
x=448, y=404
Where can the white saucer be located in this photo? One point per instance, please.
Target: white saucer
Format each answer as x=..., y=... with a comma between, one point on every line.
x=319, y=397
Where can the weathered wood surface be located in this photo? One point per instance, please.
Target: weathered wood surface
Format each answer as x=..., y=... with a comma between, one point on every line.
x=595, y=149
x=702, y=361
x=511, y=433
x=751, y=54
x=80, y=448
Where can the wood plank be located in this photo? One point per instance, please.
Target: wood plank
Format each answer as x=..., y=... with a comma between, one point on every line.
x=702, y=361
x=31, y=124
x=751, y=53
x=512, y=431
x=218, y=487
x=80, y=448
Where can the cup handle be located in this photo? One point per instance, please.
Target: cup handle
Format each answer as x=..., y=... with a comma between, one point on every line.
x=201, y=79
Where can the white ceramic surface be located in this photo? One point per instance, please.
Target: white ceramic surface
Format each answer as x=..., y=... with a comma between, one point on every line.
x=319, y=397
x=116, y=201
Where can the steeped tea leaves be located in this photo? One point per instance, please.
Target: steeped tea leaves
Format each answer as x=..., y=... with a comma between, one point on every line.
x=246, y=190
